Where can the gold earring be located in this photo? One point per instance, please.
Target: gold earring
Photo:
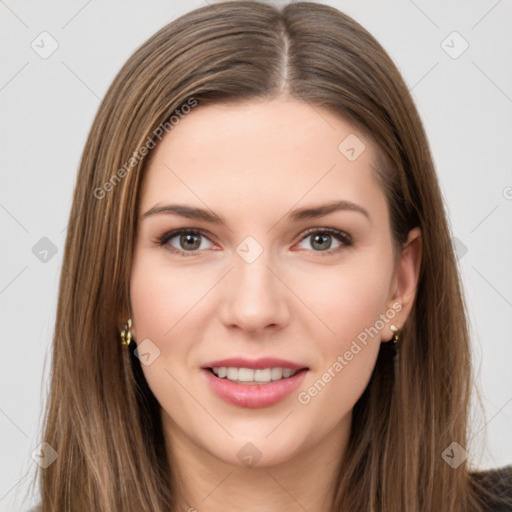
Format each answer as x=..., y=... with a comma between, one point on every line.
x=126, y=335
x=396, y=331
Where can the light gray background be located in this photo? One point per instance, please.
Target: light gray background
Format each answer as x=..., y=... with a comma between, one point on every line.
x=47, y=109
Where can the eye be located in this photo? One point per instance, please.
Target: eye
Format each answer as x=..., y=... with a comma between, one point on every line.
x=186, y=241
x=321, y=239
x=189, y=241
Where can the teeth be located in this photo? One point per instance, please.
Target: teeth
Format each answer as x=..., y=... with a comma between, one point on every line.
x=263, y=375
x=245, y=374
x=286, y=372
x=232, y=373
x=253, y=376
x=277, y=373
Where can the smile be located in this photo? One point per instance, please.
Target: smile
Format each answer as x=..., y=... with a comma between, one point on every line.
x=251, y=376
x=253, y=383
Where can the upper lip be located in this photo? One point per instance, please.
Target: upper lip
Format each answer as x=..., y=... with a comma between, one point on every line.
x=264, y=362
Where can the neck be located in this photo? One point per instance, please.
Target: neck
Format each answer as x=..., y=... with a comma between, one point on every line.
x=306, y=481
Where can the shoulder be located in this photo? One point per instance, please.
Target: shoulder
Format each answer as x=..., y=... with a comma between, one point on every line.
x=495, y=488
x=39, y=508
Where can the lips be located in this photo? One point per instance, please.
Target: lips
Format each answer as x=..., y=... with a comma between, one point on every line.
x=253, y=383
x=264, y=362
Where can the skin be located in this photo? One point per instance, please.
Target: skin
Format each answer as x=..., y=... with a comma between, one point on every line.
x=251, y=164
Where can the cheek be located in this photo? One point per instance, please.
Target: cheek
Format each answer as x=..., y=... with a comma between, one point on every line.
x=159, y=309
x=350, y=302
x=347, y=300
x=160, y=298
x=169, y=308
x=150, y=300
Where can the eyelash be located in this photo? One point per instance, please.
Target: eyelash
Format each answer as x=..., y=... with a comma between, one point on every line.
x=341, y=236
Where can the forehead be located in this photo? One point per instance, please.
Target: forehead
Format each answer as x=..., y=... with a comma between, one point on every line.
x=262, y=155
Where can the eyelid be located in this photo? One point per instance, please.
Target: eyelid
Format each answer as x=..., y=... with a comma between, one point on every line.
x=162, y=241
x=344, y=238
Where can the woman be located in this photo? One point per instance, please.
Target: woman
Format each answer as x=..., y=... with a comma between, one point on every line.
x=260, y=306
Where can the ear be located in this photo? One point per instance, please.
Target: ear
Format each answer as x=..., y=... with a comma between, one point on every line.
x=405, y=281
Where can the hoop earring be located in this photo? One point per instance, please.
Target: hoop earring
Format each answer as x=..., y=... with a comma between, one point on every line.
x=126, y=335
x=396, y=333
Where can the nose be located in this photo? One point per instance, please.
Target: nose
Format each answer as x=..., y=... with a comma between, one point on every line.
x=254, y=298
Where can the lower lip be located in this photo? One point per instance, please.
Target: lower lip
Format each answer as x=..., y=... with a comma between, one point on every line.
x=254, y=395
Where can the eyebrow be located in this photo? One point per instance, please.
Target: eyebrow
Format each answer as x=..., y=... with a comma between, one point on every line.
x=296, y=215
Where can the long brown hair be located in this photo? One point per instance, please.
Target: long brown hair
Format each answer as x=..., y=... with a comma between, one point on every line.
x=101, y=416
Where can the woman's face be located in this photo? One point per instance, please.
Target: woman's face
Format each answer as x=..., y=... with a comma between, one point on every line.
x=283, y=260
